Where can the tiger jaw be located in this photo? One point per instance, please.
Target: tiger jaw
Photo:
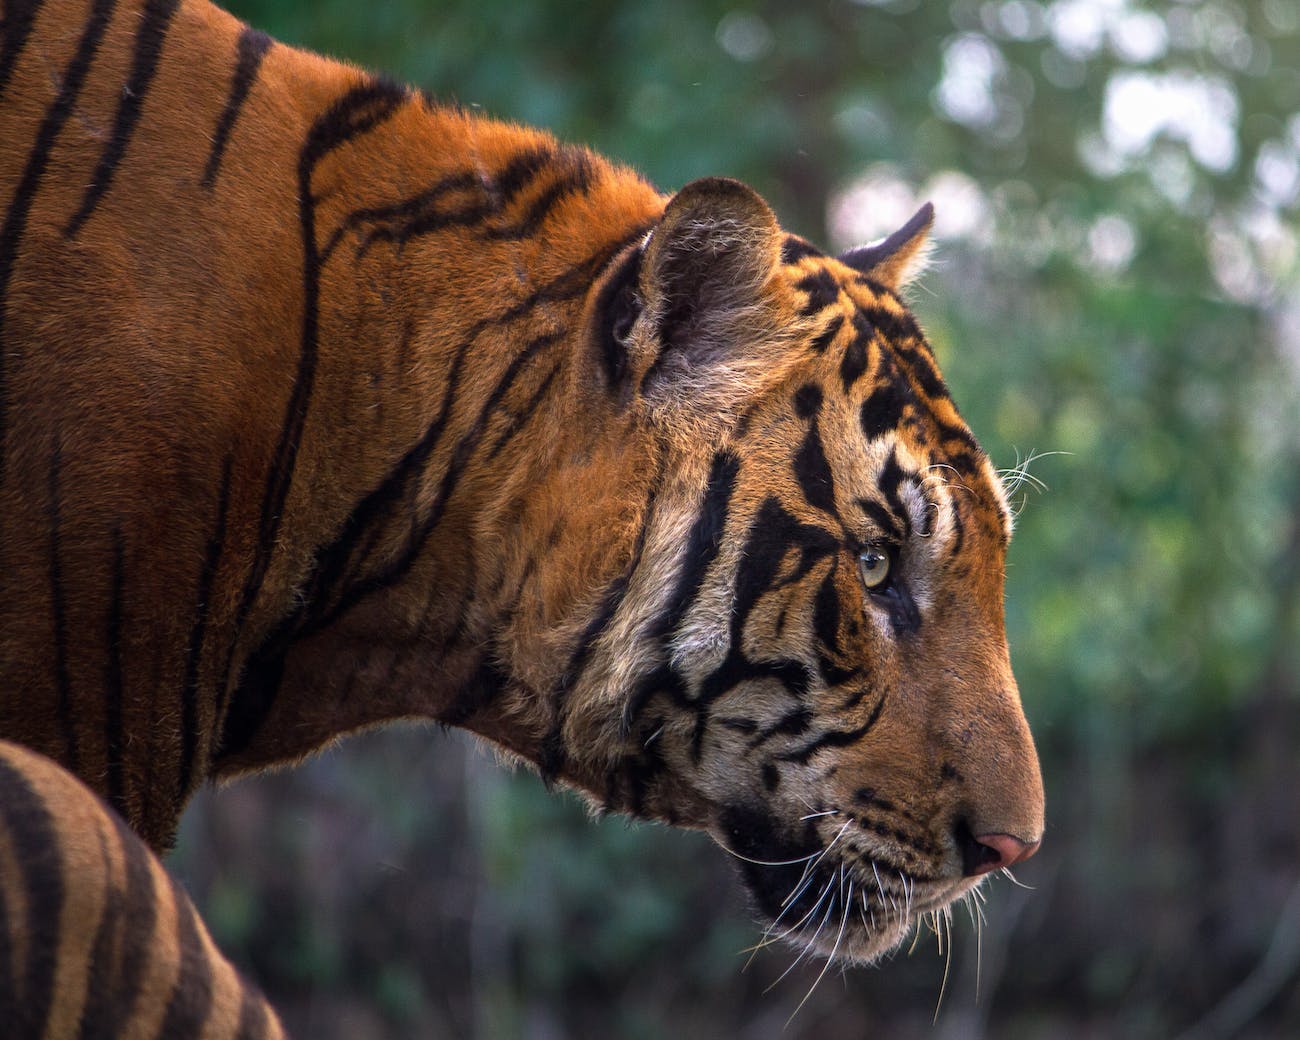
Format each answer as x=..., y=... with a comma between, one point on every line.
x=820, y=895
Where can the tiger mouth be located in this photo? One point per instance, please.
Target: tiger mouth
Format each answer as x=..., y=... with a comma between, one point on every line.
x=849, y=909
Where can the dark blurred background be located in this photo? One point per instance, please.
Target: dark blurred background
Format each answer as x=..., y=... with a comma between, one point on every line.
x=1115, y=289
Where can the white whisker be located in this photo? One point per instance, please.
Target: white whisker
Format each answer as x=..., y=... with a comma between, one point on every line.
x=844, y=920
x=1006, y=873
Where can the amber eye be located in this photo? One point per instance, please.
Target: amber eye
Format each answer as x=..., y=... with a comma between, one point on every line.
x=874, y=564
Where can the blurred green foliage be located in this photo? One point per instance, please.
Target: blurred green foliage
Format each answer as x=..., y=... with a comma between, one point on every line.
x=1116, y=286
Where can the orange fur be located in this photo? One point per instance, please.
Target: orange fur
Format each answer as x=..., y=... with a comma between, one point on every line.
x=322, y=405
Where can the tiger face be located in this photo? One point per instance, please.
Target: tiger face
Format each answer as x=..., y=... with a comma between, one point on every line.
x=807, y=658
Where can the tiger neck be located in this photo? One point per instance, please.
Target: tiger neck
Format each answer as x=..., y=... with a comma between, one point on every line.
x=448, y=432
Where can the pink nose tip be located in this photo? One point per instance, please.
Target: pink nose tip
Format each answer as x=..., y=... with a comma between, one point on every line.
x=996, y=851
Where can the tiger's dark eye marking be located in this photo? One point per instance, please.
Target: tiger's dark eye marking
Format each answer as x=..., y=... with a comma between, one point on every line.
x=890, y=481
x=882, y=518
x=904, y=617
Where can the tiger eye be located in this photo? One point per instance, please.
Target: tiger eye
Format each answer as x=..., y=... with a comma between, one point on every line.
x=874, y=566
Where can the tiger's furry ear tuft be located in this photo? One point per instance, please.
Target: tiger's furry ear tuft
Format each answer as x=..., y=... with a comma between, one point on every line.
x=703, y=280
x=896, y=260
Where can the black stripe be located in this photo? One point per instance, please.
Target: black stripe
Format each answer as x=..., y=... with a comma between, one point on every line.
x=702, y=548
x=35, y=838
x=890, y=482
x=552, y=752
x=772, y=534
x=252, y=701
x=824, y=338
x=884, y=407
x=144, y=64
x=99, y=1020
x=569, y=184
x=517, y=174
x=826, y=613
x=813, y=471
x=110, y=997
x=808, y=400
x=251, y=48
x=113, y=684
x=822, y=289
x=460, y=459
x=58, y=612
x=520, y=418
x=794, y=249
x=420, y=215
x=882, y=518
x=356, y=112
x=74, y=77
x=921, y=367
x=704, y=542
x=834, y=738
x=854, y=361
x=796, y=721
x=190, y=1004
x=198, y=634
x=16, y=27
x=416, y=207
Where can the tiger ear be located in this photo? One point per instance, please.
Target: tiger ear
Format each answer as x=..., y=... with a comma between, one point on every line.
x=702, y=280
x=898, y=259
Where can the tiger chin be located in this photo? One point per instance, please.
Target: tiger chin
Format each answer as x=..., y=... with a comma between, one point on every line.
x=324, y=405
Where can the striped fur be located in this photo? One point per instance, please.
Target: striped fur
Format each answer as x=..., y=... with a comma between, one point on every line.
x=95, y=939
x=322, y=405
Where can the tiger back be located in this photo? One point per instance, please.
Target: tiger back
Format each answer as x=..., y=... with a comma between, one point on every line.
x=323, y=405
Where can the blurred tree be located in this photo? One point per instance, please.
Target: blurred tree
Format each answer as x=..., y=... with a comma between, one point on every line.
x=1117, y=185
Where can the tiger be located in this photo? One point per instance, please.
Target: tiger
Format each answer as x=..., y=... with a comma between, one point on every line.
x=324, y=404
x=96, y=939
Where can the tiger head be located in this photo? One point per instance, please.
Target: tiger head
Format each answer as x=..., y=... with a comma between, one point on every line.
x=805, y=652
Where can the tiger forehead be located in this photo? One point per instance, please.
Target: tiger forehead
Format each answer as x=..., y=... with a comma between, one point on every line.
x=867, y=350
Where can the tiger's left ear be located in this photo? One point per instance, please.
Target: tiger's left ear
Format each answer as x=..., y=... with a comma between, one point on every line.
x=898, y=259
x=707, y=330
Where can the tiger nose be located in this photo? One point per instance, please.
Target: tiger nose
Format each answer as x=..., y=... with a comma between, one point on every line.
x=984, y=853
